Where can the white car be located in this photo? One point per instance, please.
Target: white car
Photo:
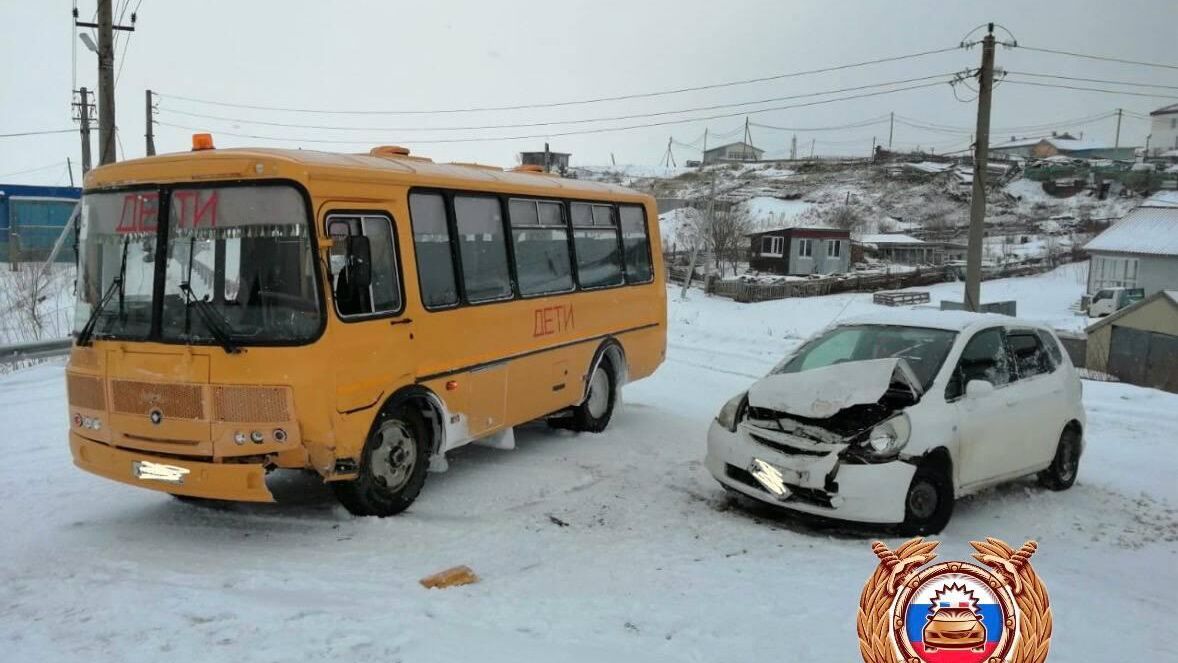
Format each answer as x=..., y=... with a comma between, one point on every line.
x=891, y=418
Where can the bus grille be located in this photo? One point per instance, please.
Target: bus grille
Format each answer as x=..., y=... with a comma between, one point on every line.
x=250, y=404
x=181, y=401
x=85, y=391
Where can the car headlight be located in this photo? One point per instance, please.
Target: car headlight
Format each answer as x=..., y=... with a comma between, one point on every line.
x=733, y=411
x=890, y=436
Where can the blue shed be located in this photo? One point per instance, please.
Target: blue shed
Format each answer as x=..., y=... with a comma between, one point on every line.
x=31, y=219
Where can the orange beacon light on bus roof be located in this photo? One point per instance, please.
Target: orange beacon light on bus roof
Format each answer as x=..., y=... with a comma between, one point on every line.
x=202, y=142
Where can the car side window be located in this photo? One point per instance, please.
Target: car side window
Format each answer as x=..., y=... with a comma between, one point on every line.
x=985, y=357
x=1030, y=358
x=1052, y=346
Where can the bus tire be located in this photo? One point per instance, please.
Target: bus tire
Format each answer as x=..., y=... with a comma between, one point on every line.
x=593, y=415
x=392, y=466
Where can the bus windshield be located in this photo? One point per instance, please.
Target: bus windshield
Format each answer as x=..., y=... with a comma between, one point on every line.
x=238, y=263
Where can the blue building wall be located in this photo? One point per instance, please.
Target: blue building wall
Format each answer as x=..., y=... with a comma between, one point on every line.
x=31, y=218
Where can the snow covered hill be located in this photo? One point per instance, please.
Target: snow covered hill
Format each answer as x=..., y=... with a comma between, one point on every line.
x=610, y=547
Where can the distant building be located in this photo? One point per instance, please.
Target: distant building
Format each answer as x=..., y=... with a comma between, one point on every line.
x=1138, y=344
x=1163, y=131
x=1061, y=145
x=902, y=249
x=31, y=219
x=550, y=161
x=1140, y=250
x=733, y=152
x=800, y=251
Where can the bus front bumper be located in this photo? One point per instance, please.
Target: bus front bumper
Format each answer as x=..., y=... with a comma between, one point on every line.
x=219, y=481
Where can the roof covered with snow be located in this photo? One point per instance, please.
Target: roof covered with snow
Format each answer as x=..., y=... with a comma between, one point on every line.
x=1146, y=230
x=1166, y=110
x=1162, y=199
x=1062, y=144
x=890, y=238
x=934, y=319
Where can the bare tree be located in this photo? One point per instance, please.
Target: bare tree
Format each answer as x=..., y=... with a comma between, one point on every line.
x=725, y=234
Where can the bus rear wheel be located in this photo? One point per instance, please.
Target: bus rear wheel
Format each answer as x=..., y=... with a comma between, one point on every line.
x=593, y=415
x=392, y=467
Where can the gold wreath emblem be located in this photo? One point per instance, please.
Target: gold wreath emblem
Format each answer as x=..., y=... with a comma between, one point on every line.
x=898, y=568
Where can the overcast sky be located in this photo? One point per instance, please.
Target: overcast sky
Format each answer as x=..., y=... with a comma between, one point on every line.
x=451, y=55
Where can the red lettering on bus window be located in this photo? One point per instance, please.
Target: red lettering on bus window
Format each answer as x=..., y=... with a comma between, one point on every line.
x=139, y=213
x=127, y=216
x=183, y=202
x=209, y=209
x=149, y=212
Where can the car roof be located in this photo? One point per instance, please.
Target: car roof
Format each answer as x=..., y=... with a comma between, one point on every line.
x=960, y=321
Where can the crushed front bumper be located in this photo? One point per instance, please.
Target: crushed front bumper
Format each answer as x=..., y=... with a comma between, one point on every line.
x=220, y=481
x=817, y=484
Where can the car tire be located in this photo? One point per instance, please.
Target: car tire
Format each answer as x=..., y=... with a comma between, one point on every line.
x=1065, y=466
x=928, y=504
x=392, y=466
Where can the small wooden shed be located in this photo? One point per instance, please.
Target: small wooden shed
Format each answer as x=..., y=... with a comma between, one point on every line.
x=1139, y=343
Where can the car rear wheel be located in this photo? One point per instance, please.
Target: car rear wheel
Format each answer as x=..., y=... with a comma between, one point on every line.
x=1061, y=474
x=928, y=505
x=392, y=466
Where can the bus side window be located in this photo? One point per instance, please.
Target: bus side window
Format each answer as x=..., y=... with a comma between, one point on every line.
x=482, y=248
x=383, y=294
x=431, y=242
x=595, y=236
x=635, y=244
x=541, y=240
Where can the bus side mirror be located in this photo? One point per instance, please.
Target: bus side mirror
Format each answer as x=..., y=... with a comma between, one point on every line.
x=359, y=261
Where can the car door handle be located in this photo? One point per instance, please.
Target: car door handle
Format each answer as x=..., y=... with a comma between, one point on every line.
x=401, y=321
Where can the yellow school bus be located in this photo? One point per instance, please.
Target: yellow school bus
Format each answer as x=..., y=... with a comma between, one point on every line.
x=358, y=315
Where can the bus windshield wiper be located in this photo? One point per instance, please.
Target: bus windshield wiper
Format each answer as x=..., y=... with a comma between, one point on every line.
x=212, y=319
x=116, y=285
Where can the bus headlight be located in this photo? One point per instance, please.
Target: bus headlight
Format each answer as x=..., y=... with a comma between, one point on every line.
x=733, y=411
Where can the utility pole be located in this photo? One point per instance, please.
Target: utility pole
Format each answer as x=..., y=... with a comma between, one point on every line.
x=703, y=155
x=106, y=84
x=106, y=75
x=149, y=116
x=793, y=148
x=872, y=155
x=83, y=106
x=811, y=148
x=1117, y=143
x=977, y=203
x=748, y=136
x=891, y=127
x=669, y=156
x=547, y=162
x=69, y=165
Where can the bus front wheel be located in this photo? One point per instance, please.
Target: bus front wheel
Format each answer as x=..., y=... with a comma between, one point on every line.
x=392, y=467
x=593, y=415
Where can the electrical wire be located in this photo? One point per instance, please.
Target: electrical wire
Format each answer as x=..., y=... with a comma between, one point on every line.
x=1094, y=80
x=854, y=125
x=577, y=102
x=56, y=164
x=580, y=131
x=529, y=125
x=38, y=133
x=1094, y=89
x=1099, y=57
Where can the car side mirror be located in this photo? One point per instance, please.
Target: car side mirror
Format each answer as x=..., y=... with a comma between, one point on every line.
x=978, y=388
x=359, y=261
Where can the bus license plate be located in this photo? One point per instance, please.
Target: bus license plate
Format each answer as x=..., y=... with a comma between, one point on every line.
x=148, y=471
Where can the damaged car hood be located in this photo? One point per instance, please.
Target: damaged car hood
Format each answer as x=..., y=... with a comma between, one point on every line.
x=822, y=392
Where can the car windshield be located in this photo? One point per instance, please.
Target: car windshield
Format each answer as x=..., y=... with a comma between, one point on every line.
x=924, y=349
x=244, y=251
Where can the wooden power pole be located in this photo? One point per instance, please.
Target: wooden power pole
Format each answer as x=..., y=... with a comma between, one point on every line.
x=977, y=203
x=149, y=116
x=1117, y=143
x=106, y=75
x=83, y=106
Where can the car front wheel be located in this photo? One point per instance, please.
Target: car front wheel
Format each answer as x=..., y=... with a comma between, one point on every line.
x=928, y=505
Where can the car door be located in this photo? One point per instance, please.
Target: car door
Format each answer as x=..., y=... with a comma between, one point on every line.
x=1040, y=386
x=988, y=434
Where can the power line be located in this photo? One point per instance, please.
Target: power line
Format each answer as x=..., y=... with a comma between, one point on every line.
x=56, y=164
x=38, y=133
x=945, y=128
x=1093, y=89
x=854, y=125
x=529, y=125
x=1099, y=57
x=580, y=131
x=642, y=95
x=1094, y=80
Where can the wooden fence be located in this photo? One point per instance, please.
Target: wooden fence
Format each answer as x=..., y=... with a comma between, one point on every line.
x=745, y=291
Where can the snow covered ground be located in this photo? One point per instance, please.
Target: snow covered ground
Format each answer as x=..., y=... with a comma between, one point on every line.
x=594, y=547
